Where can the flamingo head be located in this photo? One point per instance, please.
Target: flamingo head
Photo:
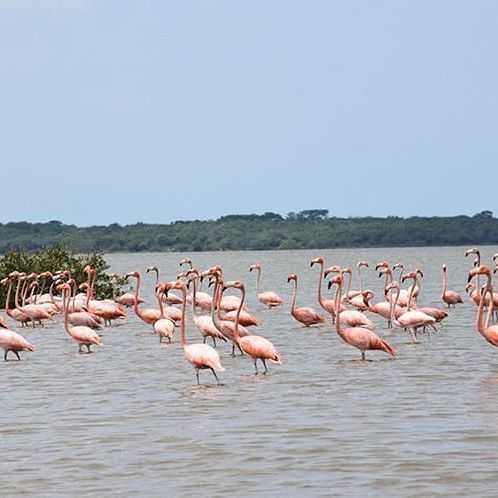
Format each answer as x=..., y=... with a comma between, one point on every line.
x=175, y=284
x=367, y=296
x=473, y=250
x=318, y=261
x=385, y=271
x=418, y=271
x=152, y=268
x=337, y=280
x=292, y=276
x=186, y=261
x=443, y=266
x=480, y=270
x=495, y=257
x=412, y=275
x=134, y=274
x=361, y=263
x=87, y=269
x=255, y=266
x=382, y=264
x=347, y=270
x=234, y=284
x=331, y=269
x=469, y=287
x=399, y=265
x=5, y=281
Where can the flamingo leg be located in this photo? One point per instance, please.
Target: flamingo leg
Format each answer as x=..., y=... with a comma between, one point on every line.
x=17, y=354
x=264, y=364
x=197, y=375
x=5, y=354
x=204, y=341
x=215, y=376
x=363, y=355
x=414, y=335
x=88, y=348
x=233, y=349
x=214, y=341
x=256, y=365
x=241, y=352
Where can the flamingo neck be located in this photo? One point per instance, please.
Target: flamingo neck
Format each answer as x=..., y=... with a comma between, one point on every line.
x=320, y=299
x=66, y=297
x=7, y=300
x=183, y=339
x=444, y=282
x=293, y=303
x=16, y=298
x=257, y=281
x=236, y=335
x=338, y=296
x=137, y=290
x=194, y=296
x=360, y=278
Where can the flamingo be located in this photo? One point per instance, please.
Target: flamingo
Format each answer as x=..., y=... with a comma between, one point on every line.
x=84, y=336
x=327, y=304
x=202, y=299
x=147, y=315
x=12, y=341
x=268, y=298
x=170, y=298
x=164, y=327
x=255, y=346
x=305, y=314
x=203, y=323
x=489, y=332
x=34, y=311
x=351, y=318
x=127, y=299
x=351, y=294
x=200, y=356
x=359, y=337
x=450, y=297
x=382, y=308
x=411, y=319
x=15, y=314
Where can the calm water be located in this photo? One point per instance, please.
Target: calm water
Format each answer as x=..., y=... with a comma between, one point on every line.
x=129, y=419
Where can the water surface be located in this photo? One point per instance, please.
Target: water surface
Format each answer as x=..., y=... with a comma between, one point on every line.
x=129, y=419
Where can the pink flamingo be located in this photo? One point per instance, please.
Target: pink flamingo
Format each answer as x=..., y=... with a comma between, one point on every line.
x=35, y=312
x=170, y=298
x=412, y=319
x=382, y=308
x=489, y=332
x=327, y=304
x=202, y=299
x=226, y=327
x=305, y=314
x=200, y=356
x=359, y=337
x=147, y=315
x=450, y=297
x=255, y=346
x=203, y=323
x=268, y=298
x=127, y=299
x=15, y=314
x=12, y=341
x=164, y=327
x=351, y=318
x=84, y=336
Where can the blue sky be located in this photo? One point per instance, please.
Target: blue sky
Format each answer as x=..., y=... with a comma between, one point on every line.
x=126, y=111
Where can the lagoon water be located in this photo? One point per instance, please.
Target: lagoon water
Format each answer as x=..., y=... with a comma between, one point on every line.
x=129, y=419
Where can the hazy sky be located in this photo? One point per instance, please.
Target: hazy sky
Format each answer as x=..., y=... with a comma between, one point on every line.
x=126, y=111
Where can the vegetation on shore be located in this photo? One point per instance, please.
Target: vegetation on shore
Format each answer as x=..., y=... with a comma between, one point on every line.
x=310, y=229
x=55, y=259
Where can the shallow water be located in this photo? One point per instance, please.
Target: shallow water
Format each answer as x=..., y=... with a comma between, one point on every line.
x=129, y=419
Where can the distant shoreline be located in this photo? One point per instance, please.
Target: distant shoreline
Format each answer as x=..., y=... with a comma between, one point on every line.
x=310, y=229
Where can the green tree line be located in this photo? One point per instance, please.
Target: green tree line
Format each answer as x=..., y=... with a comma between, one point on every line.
x=309, y=229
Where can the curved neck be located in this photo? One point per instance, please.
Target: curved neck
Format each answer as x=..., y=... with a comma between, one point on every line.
x=7, y=300
x=157, y=274
x=257, y=280
x=214, y=304
x=338, y=296
x=194, y=296
x=137, y=290
x=236, y=336
x=410, y=294
x=159, y=296
x=320, y=277
x=66, y=296
x=293, y=303
x=184, y=316
x=444, y=282
x=394, y=302
x=387, y=281
x=16, y=298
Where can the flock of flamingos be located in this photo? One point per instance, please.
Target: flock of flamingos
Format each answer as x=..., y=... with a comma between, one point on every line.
x=225, y=317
